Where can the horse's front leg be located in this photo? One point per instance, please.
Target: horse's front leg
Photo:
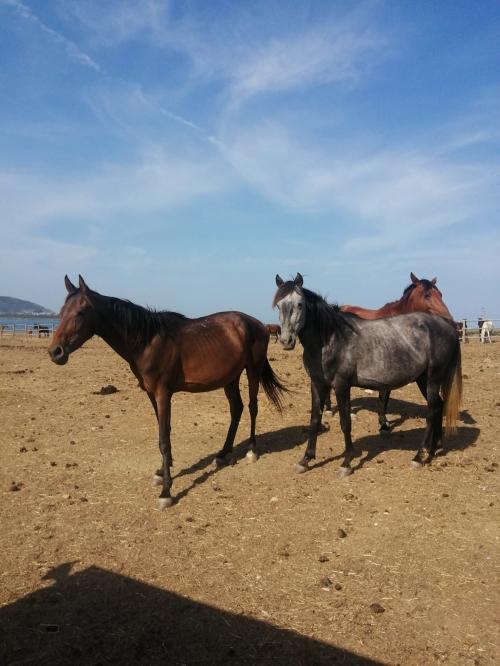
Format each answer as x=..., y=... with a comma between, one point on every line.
x=318, y=395
x=158, y=475
x=163, y=404
x=343, y=395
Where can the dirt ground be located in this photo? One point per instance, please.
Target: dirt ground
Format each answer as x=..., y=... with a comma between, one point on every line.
x=254, y=564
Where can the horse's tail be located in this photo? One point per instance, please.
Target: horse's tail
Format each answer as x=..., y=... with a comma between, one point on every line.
x=272, y=386
x=452, y=391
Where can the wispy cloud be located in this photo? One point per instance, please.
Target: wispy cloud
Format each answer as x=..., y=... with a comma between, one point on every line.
x=113, y=22
x=398, y=193
x=317, y=56
x=73, y=51
x=243, y=49
x=157, y=182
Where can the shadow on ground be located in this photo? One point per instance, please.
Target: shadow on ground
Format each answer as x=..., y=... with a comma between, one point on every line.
x=269, y=442
x=371, y=446
x=405, y=409
x=99, y=617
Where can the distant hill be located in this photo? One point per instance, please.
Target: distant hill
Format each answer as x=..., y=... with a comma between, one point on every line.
x=16, y=306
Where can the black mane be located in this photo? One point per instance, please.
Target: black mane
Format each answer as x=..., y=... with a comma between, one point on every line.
x=137, y=324
x=325, y=317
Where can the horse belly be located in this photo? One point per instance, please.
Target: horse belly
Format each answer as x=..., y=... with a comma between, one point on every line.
x=383, y=371
x=209, y=369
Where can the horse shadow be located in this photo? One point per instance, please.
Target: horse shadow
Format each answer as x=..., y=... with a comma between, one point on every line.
x=405, y=410
x=371, y=446
x=268, y=443
x=95, y=616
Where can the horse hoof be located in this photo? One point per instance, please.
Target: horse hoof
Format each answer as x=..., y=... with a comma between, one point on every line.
x=219, y=463
x=165, y=503
x=251, y=456
x=344, y=471
x=415, y=464
x=301, y=468
x=157, y=480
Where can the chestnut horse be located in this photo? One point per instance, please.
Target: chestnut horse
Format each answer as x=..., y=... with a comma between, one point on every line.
x=168, y=352
x=274, y=329
x=420, y=296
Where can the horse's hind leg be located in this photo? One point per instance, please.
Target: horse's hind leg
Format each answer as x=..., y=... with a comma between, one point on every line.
x=328, y=402
x=383, y=397
x=253, y=408
x=434, y=428
x=233, y=395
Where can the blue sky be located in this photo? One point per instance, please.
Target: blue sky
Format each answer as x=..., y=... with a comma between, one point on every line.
x=180, y=154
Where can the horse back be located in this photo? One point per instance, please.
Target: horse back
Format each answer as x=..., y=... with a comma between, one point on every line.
x=391, y=352
x=210, y=352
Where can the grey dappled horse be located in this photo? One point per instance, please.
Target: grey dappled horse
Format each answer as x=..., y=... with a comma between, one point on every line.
x=342, y=350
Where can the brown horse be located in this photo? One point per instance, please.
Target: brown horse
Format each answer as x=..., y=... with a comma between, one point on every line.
x=274, y=329
x=168, y=352
x=420, y=296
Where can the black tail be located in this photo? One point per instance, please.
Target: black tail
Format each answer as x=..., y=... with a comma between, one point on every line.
x=272, y=386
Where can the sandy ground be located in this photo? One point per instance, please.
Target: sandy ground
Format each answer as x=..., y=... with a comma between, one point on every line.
x=254, y=563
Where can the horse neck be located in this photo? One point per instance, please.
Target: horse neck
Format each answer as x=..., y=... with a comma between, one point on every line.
x=114, y=329
x=318, y=319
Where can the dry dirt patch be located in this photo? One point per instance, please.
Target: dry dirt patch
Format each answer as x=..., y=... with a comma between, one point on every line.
x=254, y=564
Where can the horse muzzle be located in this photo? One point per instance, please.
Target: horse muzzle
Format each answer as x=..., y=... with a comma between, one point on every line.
x=288, y=343
x=59, y=354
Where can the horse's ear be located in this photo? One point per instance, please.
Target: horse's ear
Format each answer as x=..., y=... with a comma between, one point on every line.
x=83, y=287
x=70, y=287
x=434, y=280
x=299, y=280
x=279, y=281
x=414, y=278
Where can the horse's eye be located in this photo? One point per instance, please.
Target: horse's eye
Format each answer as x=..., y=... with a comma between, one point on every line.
x=299, y=306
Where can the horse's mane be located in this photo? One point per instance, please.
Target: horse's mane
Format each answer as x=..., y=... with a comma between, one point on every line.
x=138, y=324
x=326, y=317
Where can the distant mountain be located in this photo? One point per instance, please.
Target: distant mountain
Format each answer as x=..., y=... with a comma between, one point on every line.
x=16, y=306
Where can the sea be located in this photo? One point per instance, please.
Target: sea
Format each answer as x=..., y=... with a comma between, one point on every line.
x=24, y=324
